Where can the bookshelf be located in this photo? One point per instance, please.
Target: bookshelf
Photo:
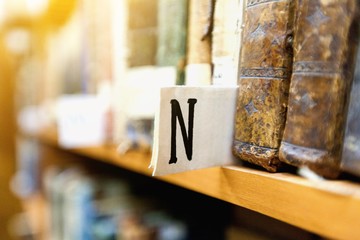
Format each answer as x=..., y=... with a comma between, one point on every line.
x=329, y=208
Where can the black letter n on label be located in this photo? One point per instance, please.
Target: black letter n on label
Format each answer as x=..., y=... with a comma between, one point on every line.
x=187, y=138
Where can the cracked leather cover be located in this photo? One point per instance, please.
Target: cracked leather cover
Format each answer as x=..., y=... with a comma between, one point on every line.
x=324, y=44
x=264, y=74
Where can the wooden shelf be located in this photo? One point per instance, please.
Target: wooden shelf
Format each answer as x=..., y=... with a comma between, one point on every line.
x=329, y=207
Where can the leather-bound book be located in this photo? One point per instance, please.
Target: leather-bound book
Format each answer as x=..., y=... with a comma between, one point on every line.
x=324, y=43
x=264, y=74
x=351, y=150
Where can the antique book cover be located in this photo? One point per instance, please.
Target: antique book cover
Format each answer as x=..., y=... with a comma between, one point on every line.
x=265, y=69
x=226, y=39
x=351, y=150
x=172, y=30
x=200, y=21
x=324, y=44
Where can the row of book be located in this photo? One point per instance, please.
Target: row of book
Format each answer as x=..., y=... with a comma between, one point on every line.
x=123, y=52
x=297, y=66
x=292, y=60
x=84, y=205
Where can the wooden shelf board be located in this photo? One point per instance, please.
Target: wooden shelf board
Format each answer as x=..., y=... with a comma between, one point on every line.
x=329, y=207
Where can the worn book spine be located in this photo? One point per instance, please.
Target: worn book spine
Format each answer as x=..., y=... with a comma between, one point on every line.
x=172, y=32
x=350, y=159
x=324, y=43
x=198, y=62
x=226, y=39
x=265, y=69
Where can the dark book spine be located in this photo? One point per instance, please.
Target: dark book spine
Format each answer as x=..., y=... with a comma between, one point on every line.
x=324, y=46
x=351, y=150
x=265, y=69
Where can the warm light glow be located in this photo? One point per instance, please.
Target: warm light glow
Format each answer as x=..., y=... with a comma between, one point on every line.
x=18, y=40
x=36, y=7
x=2, y=10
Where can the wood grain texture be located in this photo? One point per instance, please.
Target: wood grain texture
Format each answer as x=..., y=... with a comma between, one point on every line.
x=324, y=46
x=329, y=208
x=265, y=68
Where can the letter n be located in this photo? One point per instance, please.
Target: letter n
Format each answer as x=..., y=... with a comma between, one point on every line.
x=187, y=137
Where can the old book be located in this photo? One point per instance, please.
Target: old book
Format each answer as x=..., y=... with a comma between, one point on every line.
x=200, y=22
x=172, y=31
x=351, y=150
x=226, y=39
x=142, y=32
x=265, y=68
x=97, y=60
x=119, y=13
x=324, y=46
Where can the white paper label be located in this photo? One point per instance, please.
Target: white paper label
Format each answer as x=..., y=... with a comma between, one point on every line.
x=193, y=128
x=81, y=121
x=225, y=72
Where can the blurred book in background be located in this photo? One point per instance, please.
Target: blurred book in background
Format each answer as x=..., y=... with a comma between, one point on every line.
x=198, y=70
x=226, y=41
x=350, y=160
x=172, y=32
x=84, y=205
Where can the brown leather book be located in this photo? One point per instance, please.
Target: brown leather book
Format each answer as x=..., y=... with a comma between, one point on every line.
x=265, y=69
x=350, y=160
x=324, y=43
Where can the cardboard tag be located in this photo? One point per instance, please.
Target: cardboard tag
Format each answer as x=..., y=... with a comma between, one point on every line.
x=194, y=128
x=81, y=121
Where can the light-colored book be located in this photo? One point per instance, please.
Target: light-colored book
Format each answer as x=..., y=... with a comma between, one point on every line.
x=226, y=42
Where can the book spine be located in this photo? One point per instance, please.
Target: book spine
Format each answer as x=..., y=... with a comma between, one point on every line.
x=198, y=66
x=323, y=61
x=172, y=31
x=351, y=150
x=226, y=39
x=350, y=159
x=265, y=69
x=142, y=32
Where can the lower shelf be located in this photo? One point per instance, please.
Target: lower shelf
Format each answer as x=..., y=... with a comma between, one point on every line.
x=329, y=207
